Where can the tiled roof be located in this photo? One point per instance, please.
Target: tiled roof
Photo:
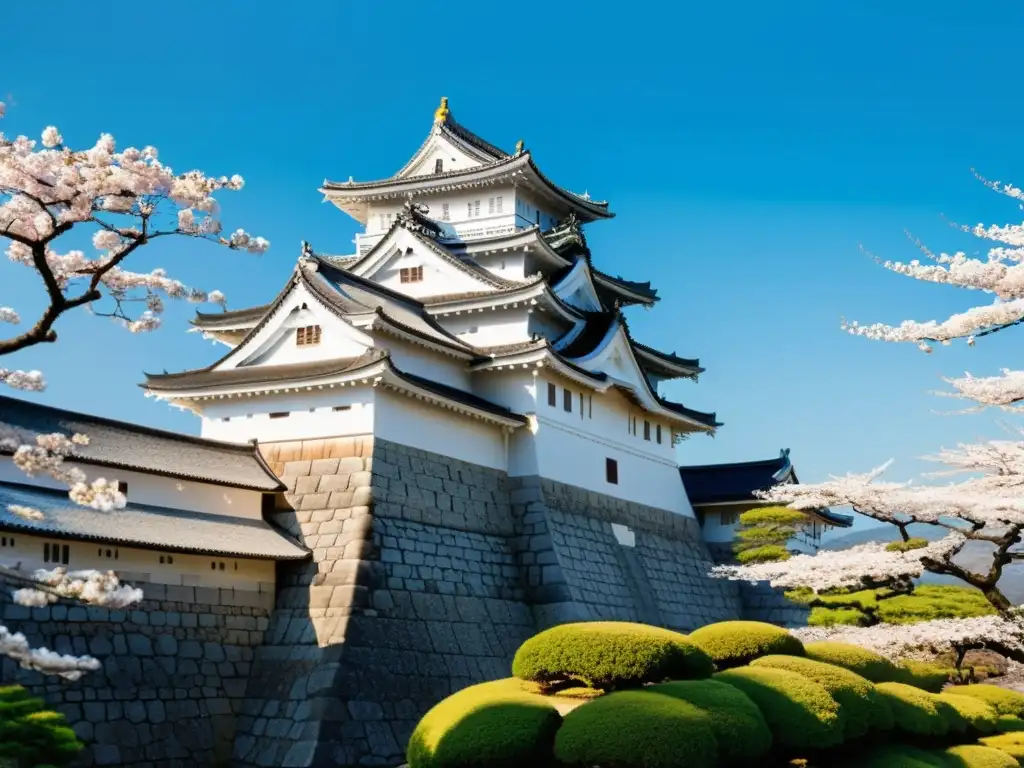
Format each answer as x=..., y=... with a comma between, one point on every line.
x=718, y=483
x=172, y=530
x=459, y=396
x=628, y=286
x=597, y=326
x=668, y=360
x=231, y=318
x=257, y=374
x=134, y=447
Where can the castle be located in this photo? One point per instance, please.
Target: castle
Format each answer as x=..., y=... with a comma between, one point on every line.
x=413, y=458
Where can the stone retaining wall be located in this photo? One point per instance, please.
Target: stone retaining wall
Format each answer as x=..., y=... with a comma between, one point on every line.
x=174, y=672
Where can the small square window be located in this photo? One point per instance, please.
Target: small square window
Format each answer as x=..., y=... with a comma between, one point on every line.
x=122, y=486
x=552, y=394
x=342, y=408
x=307, y=336
x=611, y=471
x=567, y=400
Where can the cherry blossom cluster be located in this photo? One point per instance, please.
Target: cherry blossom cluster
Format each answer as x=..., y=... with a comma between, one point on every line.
x=90, y=587
x=29, y=381
x=48, y=457
x=866, y=565
x=897, y=641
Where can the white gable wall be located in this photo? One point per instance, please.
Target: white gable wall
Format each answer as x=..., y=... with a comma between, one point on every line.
x=439, y=276
x=424, y=362
x=488, y=327
x=438, y=147
x=155, y=490
x=508, y=264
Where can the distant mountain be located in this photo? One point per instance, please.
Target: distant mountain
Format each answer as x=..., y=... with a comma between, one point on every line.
x=976, y=556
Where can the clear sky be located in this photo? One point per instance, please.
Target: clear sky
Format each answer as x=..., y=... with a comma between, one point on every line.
x=747, y=148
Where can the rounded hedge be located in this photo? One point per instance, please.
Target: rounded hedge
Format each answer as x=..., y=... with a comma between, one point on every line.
x=863, y=707
x=738, y=725
x=921, y=674
x=636, y=729
x=609, y=655
x=800, y=713
x=735, y=643
x=1008, y=724
x=914, y=711
x=1003, y=700
x=496, y=723
x=1010, y=743
x=897, y=756
x=980, y=717
x=865, y=663
x=977, y=756
x=32, y=735
x=956, y=723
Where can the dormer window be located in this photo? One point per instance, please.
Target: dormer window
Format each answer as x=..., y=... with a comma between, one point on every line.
x=439, y=165
x=411, y=274
x=307, y=336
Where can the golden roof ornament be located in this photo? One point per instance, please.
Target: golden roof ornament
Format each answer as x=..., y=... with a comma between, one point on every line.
x=519, y=147
x=441, y=113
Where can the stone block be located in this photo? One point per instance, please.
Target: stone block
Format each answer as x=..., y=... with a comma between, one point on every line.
x=297, y=468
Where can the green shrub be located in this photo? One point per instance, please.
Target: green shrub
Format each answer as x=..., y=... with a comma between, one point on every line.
x=1003, y=700
x=1009, y=724
x=636, y=729
x=923, y=675
x=31, y=735
x=914, y=711
x=865, y=663
x=897, y=756
x=738, y=725
x=925, y=603
x=496, y=723
x=977, y=756
x=863, y=707
x=799, y=712
x=768, y=553
x=979, y=716
x=1010, y=743
x=735, y=643
x=915, y=542
x=609, y=655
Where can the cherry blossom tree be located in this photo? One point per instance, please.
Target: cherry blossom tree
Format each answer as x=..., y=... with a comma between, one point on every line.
x=50, y=194
x=986, y=506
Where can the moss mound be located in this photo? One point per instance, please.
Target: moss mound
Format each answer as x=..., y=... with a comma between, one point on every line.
x=494, y=724
x=1009, y=724
x=977, y=756
x=735, y=643
x=921, y=674
x=863, y=707
x=914, y=711
x=1004, y=701
x=865, y=663
x=897, y=756
x=32, y=735
x=609, y=655
x=800, y=713
x=1010, y=743
x=980, y=717
x=636, y=729
x=738, y=725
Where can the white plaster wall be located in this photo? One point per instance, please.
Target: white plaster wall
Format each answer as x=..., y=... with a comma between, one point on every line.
x=527, y=208
x=156, y=490
x=508, y=264
x=487, y=327
x=453, y=158
x=438, y=275
x=420, y=361
x=515, y=390
x=714, y=530
x=459, y=223
x=549, y=325
x=410, y=422
x=311, y=415
x=140, y=566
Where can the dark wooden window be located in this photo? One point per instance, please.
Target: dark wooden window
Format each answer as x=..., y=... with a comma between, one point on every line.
x=280, y=415
x=647, y=430
x=122, y=486
x=56, y=553
x=268, y=504
x=411, y=274
x=657, y=433
x=611, y=471
x=567, y=400
x=552, y=394
x=342, y=408
x=307, y=335
x=439, y=165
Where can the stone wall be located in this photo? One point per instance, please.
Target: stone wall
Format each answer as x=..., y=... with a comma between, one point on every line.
x=174, y=672
x=762, y=602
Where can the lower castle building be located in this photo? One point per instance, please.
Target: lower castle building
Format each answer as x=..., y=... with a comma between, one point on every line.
x=413, y=458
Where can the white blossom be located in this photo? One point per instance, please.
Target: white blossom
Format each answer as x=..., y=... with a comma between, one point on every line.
x=897, y=641
x=52, y=137
x=30, y=381
x=865, y=565
x=44, y=660
x=8, y=315
x=28, y=513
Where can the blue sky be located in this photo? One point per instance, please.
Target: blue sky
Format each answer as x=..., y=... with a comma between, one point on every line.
x=747, y=148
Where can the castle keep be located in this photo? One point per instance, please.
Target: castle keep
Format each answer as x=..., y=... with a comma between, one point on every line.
x=453, y=440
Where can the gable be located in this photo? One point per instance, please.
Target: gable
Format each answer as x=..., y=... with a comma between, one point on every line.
x=441, y=272
x=439, y=147
x=614, y=358
x=577, y=289
x=276, y=343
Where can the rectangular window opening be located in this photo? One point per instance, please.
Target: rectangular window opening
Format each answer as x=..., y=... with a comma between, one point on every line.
x=307, y=336
x=611, y=471
x=65, y=554
x=499, y=203
x=657, y=433
x=411, y=274
x=122, y=486
x=342, y=408
x=567, y=400
x=445, y=212
x=647, y=430
x=552, y=394
x=280, y=415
